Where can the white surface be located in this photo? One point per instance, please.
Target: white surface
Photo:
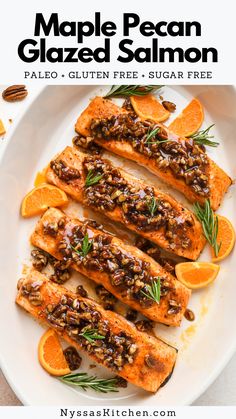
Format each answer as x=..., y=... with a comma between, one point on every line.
x=211, y=19
x=47, y=129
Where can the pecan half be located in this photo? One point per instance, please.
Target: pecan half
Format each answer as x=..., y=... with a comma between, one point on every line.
x=169, y=106
x=15, y=93
x=189, y=315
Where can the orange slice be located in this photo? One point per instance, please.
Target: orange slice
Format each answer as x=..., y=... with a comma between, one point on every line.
x=2, y=128
x=51, y=355
x=196, y=274
x=189, y=121
x=40, y=178
x=225, y=236
x=148, y=107
x=39, y=199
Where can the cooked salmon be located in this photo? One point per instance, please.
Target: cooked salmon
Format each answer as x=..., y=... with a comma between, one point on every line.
x=141, y=359
x=143, y=209
x=196, y=182
x=122, y=269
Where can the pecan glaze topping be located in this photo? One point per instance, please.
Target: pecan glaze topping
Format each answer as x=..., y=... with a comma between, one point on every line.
x=139, y=206
x=128, y=274
x=105, y=297
x=153, y=251
x=31, y=290
x=182, y=157
x=64, y=172
x=87, y=143
x=41, y=259
x=76, y=318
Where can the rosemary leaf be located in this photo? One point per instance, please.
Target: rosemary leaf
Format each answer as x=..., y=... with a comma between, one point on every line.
x=86, y=246
x=203, y=138
x=153, y=135
x=92, y=179
x=154, y=290
x=131, y=90
x=84, y=381
x=209, y=223
x=91, y=334
x=152, y=205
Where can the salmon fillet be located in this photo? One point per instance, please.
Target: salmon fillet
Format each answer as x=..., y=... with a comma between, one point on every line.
x=99, y=108
x=122, y=269
x=179, y=233
x=144, y=360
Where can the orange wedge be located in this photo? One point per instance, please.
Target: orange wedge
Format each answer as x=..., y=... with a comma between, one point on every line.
x=196, y=274
x=2, y=128
x=39, y=199
x=40, y=178
x=51, y=355
x=225, y=236
x=148, y=107
x=189, y=121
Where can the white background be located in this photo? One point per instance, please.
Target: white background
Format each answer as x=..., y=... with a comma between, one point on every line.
x=218, y=30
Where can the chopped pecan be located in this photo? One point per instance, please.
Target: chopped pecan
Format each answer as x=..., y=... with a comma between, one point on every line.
x=87, y=143
x=81, y=291
x=73, y=358
x=131, y=315
x=145, y=326
x=120, y=382
x=64, y=172
x=40, y=259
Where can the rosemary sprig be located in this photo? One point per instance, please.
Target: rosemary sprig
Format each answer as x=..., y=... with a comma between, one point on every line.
x=86, y=246
x=203, y=138
x=91, y=334
x=151, y=135
x=131, y=90
x=152, y=205
x=209, y=223
x=92, y=179
x=84, y=381
x=154, y=290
